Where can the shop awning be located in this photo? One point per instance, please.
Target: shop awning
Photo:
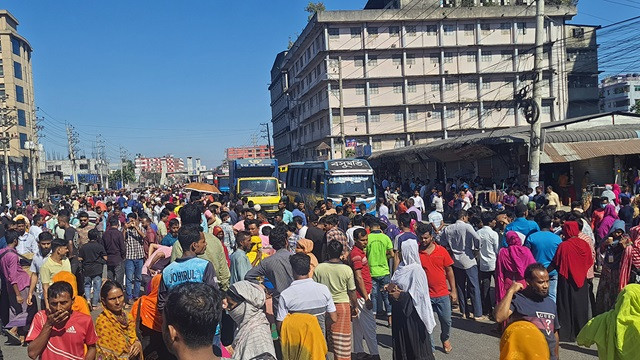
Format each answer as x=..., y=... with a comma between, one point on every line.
x=573, y=151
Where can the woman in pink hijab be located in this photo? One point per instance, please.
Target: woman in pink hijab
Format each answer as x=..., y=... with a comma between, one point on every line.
x=609, y=217
x=511, y=264
x=617, y=191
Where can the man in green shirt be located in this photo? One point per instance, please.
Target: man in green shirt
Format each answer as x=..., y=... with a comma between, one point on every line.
x=379, y=251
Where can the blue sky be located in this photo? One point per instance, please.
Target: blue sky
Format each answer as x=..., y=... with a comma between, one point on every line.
x=187, y=78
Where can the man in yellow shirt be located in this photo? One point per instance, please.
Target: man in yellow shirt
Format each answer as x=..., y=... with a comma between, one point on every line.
x=55, y=263
x=552, y=198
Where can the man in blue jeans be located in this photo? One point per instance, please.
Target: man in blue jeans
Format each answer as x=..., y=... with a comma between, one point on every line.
x=463, y=242
x=134, y=258
x=437, y=265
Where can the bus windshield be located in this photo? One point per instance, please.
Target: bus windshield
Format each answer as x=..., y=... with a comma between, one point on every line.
x=339, y=186
x=265, y=187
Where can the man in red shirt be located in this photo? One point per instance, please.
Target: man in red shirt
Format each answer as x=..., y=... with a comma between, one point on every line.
x=59, y=332
x=364, y=324
x=437, y=263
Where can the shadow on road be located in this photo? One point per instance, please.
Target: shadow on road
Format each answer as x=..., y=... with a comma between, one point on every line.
x=580, y=349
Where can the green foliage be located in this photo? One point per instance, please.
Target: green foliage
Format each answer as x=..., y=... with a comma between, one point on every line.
x=313, y=8
x=128, y=171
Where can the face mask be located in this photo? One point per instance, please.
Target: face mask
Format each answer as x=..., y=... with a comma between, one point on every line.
x=237, y=314
x=603, y=205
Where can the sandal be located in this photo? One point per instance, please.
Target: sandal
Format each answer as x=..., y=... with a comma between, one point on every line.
x=447, y=347
x=13, y=338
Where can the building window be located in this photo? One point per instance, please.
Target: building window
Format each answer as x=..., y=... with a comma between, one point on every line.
x=356, y=32
x=334, y=33
x=373, y=31
x=510, y=111
x=411, y=59
x=505, y=55
x=335, y=92
x=84, y=166
x=375, y=116
x=471, y=56
x=432, y=29
x=636, y=88
x=1, y=68
x=448, y=57
x=486, y=85
x=413, y=114
x=22, y=117
x=411, y=87
x=17, y=70
x=394, y=31
x=23, y=140
x=359, y=89
x=374, y=89
x=468, y=29
x=397, y=88
x=19, y=94
x=505, y=28
x=522, y=28
x=450, y=113
x=411, y=30
x=373, y=60
x=486, y=56
x=473, y=113
x=396, y=59
x=435, y=58
x=358, y=61
x=376, y=144
x=485, y=28
x=15, y=46
x=448, y=29
x=473, y=85
x=546, y=109
x=2, y=92
x=399, y=115
x=435, y=86
x=448, y=86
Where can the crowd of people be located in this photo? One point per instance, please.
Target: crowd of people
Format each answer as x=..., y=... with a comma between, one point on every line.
x=173, y=275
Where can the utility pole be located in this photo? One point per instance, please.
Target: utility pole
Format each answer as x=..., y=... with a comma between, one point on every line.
x=535, y=141
x=344, y=144
x=123, y=158
x=72, y=141
x=268, y=138
x=100, y=159
x=35, y=150
x=6, y=122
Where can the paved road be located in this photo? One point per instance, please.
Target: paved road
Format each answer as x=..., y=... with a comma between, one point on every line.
x=470, y=339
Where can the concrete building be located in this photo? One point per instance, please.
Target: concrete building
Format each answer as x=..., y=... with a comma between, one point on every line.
x=154, y=164
x=413, y=72
x=582, y=70
x=620, y=93
x=16, y=92
x=248, y=152
x=88, y=170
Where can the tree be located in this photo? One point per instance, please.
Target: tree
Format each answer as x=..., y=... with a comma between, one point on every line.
x=313, y=8
x=129, y=174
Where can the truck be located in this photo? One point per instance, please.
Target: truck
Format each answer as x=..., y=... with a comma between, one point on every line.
x=257, y=180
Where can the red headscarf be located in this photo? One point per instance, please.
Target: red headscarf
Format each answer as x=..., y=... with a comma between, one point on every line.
x=631, y=257
x=217, y=230
x=573, y=257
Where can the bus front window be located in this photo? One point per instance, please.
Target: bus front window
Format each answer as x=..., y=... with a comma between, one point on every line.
x=339, y=186
x=267, y=187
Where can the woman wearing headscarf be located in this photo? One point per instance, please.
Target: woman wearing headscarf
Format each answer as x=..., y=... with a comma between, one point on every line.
x=616, y=190
x=413, y=319
x=615, y=332
x=612, y=249
x=79, y=303
x=630, y=265
x=511, y=263
x=523, y=340
x=391, y=230
x=244, y=302
x=608, y=218
x=572, y=260
x=117, y=339
x=149, y=322
x=219, y=233
x=305, y=246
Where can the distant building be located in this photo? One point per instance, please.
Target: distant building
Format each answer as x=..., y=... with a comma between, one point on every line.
x=88, y=170
x=16, y=87
x=620, y=93
x=248, y=152
x=154, y=164
x=414, y=71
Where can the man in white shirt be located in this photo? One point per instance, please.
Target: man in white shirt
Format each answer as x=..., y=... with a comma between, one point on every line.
x=302, y=229
x=356, y=223
x=438, y=201
x=487, y=254
x=417, y=201
x=383, y=210
x=36, y=226
x=436, y=219
x=27, y=243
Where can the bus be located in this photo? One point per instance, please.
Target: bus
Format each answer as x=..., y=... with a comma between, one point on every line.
x=256, y=179
x=223, y=183
x=313, y=181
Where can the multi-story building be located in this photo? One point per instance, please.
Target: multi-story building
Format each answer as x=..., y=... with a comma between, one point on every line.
x=582, y=70
x=248, y=152
x=16, y=92
x=620, y=93
x=88, y=170
x=154, y=164
x=400, y=73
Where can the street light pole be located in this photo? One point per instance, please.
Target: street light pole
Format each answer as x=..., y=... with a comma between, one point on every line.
x=535, y=141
